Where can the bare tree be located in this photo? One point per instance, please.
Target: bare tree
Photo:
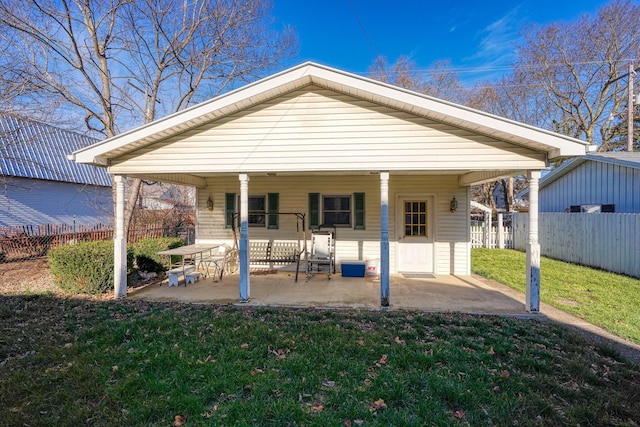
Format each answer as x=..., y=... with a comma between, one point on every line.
x=119, y=63
x=567, y=75
x=439, y=80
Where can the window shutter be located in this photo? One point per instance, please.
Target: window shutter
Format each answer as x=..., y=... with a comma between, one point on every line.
x=229, y=209
x=358, y=209
x=273, y=208
x=314, y=210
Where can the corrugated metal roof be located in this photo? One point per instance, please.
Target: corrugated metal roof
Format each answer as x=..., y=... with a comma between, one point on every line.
x=31, y=149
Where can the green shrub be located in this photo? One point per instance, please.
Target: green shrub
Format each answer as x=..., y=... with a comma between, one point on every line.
x=85, y=267
x=146, y=253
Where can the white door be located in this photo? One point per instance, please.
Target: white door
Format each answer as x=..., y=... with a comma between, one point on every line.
x=415, y=235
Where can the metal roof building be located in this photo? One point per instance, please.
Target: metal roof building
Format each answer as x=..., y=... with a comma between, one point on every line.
x=30, y=149
x=39, y=185
x=599, y=182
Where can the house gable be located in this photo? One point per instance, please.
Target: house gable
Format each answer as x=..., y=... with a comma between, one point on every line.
x=316, y=129
x=289, y=81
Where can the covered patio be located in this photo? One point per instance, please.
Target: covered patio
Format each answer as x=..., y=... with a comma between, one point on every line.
x=391, y=169
x=464, y=294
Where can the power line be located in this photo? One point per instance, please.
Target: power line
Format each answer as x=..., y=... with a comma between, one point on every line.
x=364, y=32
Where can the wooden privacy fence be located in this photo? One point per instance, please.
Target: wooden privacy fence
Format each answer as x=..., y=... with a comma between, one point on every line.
x=609, y=241
x=26, y=242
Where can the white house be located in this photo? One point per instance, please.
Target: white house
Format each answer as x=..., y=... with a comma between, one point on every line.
x=40, y=185
x=390, y=168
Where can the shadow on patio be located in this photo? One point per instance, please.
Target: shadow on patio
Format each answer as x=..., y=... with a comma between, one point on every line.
x=464, y=294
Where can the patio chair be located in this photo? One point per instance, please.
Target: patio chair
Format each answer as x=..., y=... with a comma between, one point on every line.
x=322, y=255
x=216, y=265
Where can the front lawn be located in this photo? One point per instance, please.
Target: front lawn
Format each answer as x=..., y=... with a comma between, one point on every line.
x=608, y=300
x=84, y=362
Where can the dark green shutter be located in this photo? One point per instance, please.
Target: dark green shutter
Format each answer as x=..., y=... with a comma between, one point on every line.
x=314, y=210
x=273, y=207
x=359, y=215
x=229, y=209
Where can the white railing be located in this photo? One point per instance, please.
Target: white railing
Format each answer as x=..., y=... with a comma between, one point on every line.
x=493, y=237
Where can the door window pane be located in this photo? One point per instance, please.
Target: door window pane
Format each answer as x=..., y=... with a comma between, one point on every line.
x=415, y=218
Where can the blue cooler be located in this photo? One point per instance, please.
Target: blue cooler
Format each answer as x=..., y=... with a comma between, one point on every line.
x=353, y=268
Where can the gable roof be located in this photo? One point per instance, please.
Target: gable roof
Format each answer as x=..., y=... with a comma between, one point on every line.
x=30, y=149
x=620, y=158
x=554, y=145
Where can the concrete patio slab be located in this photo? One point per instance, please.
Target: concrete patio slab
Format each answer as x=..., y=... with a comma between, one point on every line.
x=441, y=294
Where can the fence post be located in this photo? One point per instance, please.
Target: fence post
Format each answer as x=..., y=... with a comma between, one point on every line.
x=487, y=230
x=500, y=232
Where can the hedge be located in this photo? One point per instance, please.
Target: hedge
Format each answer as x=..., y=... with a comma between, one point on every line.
x=146, y=253
x=85, y=267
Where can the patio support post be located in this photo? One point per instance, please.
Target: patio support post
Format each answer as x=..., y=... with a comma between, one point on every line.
x=384, y=239
x=244, y=238
x=533, y=247
x=119, y=243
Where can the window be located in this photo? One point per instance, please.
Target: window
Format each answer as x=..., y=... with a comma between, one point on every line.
x=257, y=211
x=608, y=208
x=262, y=210
x=340, y=211
x=336, y=210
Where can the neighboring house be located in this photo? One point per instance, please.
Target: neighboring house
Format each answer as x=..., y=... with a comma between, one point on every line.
x=167, y=197
x=499, y=199
x=602, y=182
x=39, y=185
x=390, y=168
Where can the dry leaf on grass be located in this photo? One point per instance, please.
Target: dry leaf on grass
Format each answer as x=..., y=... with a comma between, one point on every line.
x=378, y=405
x=179, y=420
x=382, y=360
x=458, y=413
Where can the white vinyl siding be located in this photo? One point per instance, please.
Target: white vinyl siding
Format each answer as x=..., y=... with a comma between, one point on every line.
x=450, y=229
x=319, y=130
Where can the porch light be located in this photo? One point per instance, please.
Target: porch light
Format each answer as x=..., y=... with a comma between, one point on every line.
x=210, y=203
x=453, y=206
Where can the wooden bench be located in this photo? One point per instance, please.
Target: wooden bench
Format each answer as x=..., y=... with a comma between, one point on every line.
x=192, y=277
x=274, y=253
x=175, y=273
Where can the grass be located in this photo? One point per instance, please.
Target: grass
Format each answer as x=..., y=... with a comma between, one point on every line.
x=608, y=300
x=104, y=363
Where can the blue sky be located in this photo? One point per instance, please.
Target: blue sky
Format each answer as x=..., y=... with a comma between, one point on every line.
x=348, y=34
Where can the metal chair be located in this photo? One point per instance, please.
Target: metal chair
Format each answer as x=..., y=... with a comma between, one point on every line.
x=215, y=265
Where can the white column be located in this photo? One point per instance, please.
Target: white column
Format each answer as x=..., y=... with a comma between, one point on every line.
x=384, y=239
x=533, y=247
x=245, y=285
x=120, y=243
